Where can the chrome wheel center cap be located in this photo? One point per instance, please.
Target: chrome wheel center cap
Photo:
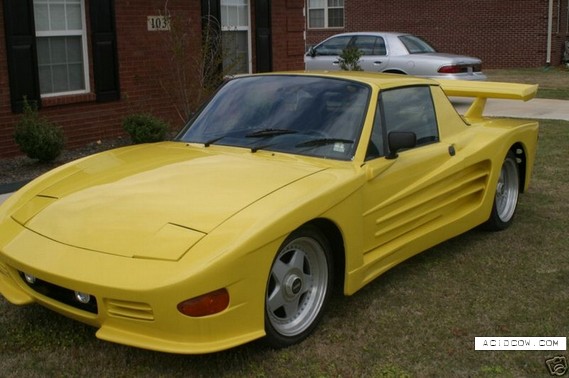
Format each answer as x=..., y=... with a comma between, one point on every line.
x=293, y=285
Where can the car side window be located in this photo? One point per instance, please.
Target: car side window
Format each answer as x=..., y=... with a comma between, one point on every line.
x=333, y=46
x=375, y=146
x=409, y=109
x=370, y=45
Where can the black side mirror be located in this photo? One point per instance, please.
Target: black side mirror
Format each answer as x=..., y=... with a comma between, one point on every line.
x=399, y=140
x=311, y=51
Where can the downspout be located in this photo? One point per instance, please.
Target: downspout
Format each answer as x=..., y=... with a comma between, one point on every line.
x=305, y=26
x=549, y=31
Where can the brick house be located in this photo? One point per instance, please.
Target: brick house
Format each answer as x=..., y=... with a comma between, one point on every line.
x=89, y=63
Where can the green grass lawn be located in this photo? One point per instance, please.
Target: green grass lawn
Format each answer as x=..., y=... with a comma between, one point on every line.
x=419, y=319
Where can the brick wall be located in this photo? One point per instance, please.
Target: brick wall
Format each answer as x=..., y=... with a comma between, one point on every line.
x=502, y=33
x=287, y=35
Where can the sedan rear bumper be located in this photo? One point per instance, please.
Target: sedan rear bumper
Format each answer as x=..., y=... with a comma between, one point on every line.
x=475, y=76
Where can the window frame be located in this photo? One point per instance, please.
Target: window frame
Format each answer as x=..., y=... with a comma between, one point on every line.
x=333, y=41
x=82, y=33
x=229, y=28
x=326, y=8
x=378, y=44
x=21, y=55
x=380, y=121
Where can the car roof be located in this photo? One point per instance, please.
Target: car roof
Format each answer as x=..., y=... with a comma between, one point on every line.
x=381, y=80
x=395, y=34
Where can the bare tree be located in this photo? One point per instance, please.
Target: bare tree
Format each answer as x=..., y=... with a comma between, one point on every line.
x=195, y=65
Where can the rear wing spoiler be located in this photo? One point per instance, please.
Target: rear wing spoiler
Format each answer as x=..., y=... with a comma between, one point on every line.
x=482, y=90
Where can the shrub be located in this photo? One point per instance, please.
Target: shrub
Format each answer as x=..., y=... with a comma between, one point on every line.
x=350, y=58
x=37, y=137
x=145, y=128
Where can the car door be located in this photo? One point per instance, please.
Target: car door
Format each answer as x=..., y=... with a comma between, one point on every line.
x=407, y=199
x=325, y=55
x=374, y=53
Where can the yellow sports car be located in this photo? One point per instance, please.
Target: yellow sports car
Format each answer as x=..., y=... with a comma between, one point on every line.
x=281, y=188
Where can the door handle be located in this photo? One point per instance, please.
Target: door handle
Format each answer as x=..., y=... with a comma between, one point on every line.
x=377, y=62
x=451, y=150
x=336, y=62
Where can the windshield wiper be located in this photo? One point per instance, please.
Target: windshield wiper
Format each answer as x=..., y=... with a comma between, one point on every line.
x=269, y=132
x=323, y=142
x=262, y=147
x=212, y=141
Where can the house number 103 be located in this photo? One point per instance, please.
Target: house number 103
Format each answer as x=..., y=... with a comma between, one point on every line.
x=156, y=23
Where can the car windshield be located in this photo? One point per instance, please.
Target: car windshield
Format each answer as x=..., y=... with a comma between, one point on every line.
x=305, y=115
x=416, y=45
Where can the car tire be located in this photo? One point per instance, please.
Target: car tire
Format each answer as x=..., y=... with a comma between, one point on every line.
x=298, y=288
x=506, y=196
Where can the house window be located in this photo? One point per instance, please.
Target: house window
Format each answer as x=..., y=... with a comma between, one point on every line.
x=235, y=36
x=61, y=46
x=47, y=38
x=325, y=13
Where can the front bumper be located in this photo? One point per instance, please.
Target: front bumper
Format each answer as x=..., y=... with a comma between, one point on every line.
x=136, y=298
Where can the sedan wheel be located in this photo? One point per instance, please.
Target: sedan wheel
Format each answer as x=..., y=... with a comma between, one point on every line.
x=298, y=287
x=506, y=198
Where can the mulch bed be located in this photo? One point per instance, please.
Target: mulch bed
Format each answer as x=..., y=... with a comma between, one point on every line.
x=18, y=170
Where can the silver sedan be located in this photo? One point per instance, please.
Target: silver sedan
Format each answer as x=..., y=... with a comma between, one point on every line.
x=393, y=53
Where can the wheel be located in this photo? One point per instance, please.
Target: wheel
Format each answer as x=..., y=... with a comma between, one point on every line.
x=506, y=198
x=298, y=287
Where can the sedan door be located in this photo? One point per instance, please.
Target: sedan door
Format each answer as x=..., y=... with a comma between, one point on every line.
x=325, y=56
x=374, y=53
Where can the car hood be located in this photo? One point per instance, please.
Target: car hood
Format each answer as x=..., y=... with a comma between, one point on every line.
x=154, y=201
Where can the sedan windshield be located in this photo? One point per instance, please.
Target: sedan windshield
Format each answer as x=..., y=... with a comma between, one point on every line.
x=416, y=45
x=305, y=115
